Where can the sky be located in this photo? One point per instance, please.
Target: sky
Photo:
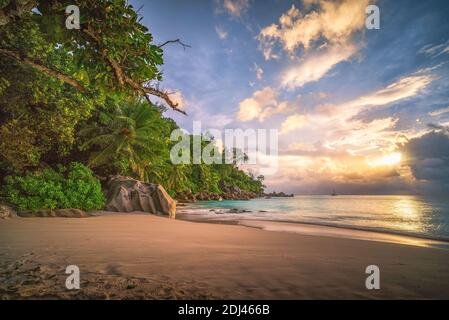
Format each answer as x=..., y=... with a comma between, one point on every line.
x=361, y=111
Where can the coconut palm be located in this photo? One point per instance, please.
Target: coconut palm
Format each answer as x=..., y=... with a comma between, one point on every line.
x=132, y=138
x=171, y=176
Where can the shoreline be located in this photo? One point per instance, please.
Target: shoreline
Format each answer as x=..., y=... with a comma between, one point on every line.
x=347, y=232
x=443, y=241
x=142, y=256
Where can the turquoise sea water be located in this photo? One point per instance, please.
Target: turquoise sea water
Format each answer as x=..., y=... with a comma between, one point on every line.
x=412, y=215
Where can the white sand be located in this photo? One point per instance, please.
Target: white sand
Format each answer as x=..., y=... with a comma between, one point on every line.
x=164, y=258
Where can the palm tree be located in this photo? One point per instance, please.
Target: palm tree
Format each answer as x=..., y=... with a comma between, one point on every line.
x=133, y=137
x=171, y=176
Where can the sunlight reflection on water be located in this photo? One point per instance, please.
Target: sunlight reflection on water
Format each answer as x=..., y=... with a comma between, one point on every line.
x=423, y=216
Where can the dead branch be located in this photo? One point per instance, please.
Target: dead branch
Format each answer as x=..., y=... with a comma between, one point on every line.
x=175, y=41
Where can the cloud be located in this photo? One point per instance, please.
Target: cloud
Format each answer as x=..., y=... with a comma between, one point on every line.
x=262, y=105
x=357, y=137
x=301, y=147
x=405, y=87
x=293, y=122
x=348, y=174
x=198, y=111
x=325, y=34
x=315, y=66
x=423, y=168
x=435, y=50
x=428, y=156
x=178, y=98
x=341, y=131
x=234, y=8
x=439, y=112
x=222, y=34
x=333, y=21
x=259, y=71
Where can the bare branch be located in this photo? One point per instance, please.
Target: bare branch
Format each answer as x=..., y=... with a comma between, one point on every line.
x=175, y=41
x=40, y=67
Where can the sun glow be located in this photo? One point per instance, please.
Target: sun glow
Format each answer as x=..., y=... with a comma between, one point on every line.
x=387, y=160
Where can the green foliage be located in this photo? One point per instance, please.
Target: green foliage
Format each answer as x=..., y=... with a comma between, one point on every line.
x=244, y=181
x=109, y=30
x=206, y=177
x=39, y=114
x=133, y=137
x=46, y=121
x=172, y=177
x=72, y=186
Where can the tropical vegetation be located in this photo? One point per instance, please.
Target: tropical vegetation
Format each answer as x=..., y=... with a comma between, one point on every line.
x=80, y=104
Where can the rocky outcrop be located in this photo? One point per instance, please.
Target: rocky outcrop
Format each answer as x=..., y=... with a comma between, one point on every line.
x=228, y=193
x=186, y=196
x=277, y=195
x=6, y=212
x=164, y=203
x=62, y=213
x=208, y=196
x=125, y=194
x=235, y=193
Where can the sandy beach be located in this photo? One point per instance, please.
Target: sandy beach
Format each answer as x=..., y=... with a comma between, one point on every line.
x=137, y=256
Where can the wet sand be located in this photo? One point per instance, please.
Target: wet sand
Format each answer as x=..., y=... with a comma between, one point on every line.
x=137, y=256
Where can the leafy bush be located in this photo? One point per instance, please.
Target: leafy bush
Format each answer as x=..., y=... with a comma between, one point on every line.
x=73, y=186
